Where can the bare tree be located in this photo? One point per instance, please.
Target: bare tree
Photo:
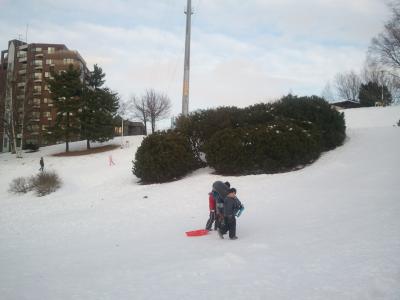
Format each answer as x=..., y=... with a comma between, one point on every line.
x=347, y=85
x=327, y=93
x=140, y=110
x=385, y=48
x=158, y=106
x=373, y=72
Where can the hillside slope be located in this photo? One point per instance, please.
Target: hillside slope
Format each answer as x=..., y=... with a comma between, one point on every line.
x=328, y=231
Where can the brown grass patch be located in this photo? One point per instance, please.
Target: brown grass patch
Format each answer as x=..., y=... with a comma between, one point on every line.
x=88, y=151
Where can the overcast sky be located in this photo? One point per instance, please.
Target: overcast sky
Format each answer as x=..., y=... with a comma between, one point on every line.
x=243, y=51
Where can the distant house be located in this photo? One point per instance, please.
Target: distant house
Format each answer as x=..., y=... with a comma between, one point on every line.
x=130, y=128
x=346, y=104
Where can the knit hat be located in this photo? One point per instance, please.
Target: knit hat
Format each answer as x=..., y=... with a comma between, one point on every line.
x=232, y=190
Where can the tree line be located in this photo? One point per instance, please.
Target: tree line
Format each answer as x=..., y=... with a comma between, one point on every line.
x=88, y=109
x=378, y=81
x=151, y=107
x=85, y=108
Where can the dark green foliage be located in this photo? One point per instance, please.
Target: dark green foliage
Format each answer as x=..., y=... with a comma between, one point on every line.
x=263, y=138
x=273, y=148
x=164, y=156
x=99, y=107
x=372, y=92
x=97, y=116
x=202, y=124
x=66, y=89
x=314, y=111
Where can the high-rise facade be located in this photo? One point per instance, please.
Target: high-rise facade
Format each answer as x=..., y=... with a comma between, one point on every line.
x=27, y=110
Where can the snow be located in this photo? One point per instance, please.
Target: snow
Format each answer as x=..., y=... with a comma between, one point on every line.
x=328, y=231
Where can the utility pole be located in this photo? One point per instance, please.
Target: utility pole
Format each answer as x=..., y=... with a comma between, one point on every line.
x=185, y=96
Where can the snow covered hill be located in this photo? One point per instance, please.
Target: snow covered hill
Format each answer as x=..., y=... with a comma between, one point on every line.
x=329, y=231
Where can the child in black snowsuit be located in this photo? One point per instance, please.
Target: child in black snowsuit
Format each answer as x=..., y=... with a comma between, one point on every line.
x=231, y=206
x=41, y=162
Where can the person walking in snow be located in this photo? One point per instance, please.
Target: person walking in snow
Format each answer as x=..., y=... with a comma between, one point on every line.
x=110, y=161
x=211, y=219
x=232, y=205
x=41, y=164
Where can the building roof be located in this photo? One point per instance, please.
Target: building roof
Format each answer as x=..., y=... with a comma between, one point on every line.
x=347, y=104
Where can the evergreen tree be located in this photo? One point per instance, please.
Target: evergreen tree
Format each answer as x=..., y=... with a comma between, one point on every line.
x=99, y=107
x=66, y=89
x=373, y=92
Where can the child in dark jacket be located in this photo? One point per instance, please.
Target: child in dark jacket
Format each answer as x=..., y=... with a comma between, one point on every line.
x=211, y=219
x=231, y=206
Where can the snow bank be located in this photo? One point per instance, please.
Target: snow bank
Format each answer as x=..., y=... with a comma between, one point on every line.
x=329, y=231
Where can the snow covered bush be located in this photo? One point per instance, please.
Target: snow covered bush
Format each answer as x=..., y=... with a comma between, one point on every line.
x=316, y=110
x=272, y=148
x=19, y=185
x=45, y=183
x=164, y=156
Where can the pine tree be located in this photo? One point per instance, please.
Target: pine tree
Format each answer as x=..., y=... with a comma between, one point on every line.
x=372, y=92
x=99, y=107
x=66, y=89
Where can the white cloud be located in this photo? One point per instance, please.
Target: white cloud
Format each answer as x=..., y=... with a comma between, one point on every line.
x=242, y=51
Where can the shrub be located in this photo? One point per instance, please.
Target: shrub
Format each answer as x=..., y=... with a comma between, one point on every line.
x=19, y=185
x=202, y=124
x=262, y=149
x=32, y=147
x=317, y=111
x=45, y=183
x=164, y=156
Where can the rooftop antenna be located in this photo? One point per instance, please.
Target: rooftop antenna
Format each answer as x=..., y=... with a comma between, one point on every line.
x=185, y=94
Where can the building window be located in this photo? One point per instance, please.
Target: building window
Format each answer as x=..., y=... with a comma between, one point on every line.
x=38, y=76
x=68, y=61
x=49, y=61
x=38, y=49
x=46, y=114
x=51, y=50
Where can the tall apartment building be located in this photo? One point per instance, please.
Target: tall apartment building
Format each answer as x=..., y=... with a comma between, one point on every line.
x=24, y=70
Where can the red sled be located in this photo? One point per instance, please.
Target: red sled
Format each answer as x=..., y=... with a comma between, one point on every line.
x=199, y=232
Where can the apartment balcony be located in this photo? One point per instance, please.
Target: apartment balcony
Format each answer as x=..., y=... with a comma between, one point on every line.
x=21, y=84
x=38, y=67
x=37, y=93
x=37, y=79
x=39, y=55
x=23, y=59
x=23, y=47
x=22, y=71
x=20, y=97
